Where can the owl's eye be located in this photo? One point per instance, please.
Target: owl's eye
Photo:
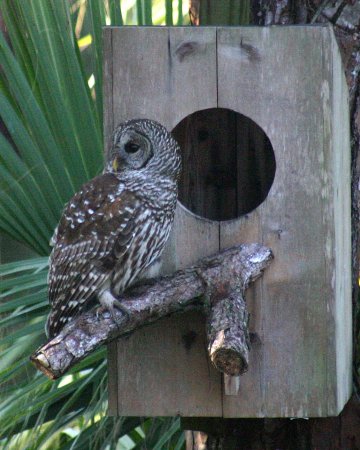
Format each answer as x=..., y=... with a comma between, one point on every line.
x=131, y=147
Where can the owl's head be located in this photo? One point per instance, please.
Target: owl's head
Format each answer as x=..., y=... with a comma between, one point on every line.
x=144, y=145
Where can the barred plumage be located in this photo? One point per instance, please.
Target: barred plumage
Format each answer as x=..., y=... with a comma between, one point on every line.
x=116, y=225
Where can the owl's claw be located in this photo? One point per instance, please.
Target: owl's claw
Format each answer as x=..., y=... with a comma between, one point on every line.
x=110, y=303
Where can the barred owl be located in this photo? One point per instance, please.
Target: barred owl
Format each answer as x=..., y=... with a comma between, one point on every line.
x=116, y=225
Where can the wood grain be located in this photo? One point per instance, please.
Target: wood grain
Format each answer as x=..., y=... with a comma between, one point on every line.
x=294, y=308
x=155, y=73
x=300, y=323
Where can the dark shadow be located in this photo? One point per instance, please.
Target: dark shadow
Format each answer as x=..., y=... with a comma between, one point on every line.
x=228, y=163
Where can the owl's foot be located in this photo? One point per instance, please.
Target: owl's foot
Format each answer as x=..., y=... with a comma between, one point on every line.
x=109, y=303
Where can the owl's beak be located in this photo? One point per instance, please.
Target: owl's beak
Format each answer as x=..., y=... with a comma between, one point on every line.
x=115, y=165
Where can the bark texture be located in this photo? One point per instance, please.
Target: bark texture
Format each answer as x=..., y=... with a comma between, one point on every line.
x=198, y=287
x=229, y=341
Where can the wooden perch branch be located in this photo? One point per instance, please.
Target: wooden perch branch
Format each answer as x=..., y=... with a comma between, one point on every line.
x=217, y=283
x=228, y=339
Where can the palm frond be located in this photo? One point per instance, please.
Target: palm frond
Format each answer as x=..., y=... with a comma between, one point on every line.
x=51, y=106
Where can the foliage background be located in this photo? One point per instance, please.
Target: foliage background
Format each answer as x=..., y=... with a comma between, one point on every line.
x=51, y=142
x=51, y=112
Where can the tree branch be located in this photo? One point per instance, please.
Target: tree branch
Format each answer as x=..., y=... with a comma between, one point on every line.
x=212, y=284
x=228, y=339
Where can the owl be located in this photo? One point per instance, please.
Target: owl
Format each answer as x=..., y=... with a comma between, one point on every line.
x=116, y=226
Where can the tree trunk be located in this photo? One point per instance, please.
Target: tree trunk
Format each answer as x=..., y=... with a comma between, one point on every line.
x=341, y=432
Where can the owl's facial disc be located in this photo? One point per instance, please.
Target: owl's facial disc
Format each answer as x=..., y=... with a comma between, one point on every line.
x=132, y=151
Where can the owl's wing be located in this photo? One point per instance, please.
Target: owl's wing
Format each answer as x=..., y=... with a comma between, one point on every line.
x=94, y=233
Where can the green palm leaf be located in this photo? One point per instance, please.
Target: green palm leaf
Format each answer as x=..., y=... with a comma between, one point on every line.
x=51, y=108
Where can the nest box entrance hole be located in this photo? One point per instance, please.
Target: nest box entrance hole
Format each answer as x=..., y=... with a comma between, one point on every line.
x=228, y=163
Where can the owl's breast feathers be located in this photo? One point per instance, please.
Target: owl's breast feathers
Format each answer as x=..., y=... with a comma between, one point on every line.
x=109, y=232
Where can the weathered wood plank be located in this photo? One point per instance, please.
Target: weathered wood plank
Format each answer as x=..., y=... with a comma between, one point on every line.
x=339, y=168
x=156, y=377
x=192, y=71
x=112, y=361
x=192, y=238
x=284, y=301
x=300, y=362
x=296, y=293
x=155, y=75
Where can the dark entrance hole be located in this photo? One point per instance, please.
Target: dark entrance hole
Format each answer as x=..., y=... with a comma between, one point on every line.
x=228, y=163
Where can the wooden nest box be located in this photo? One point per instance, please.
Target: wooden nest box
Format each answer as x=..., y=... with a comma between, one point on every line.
x=261, y=115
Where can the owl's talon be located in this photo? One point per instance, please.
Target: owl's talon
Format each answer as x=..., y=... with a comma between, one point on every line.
x=110, y=303
x=117, y=305
x=100, y=310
